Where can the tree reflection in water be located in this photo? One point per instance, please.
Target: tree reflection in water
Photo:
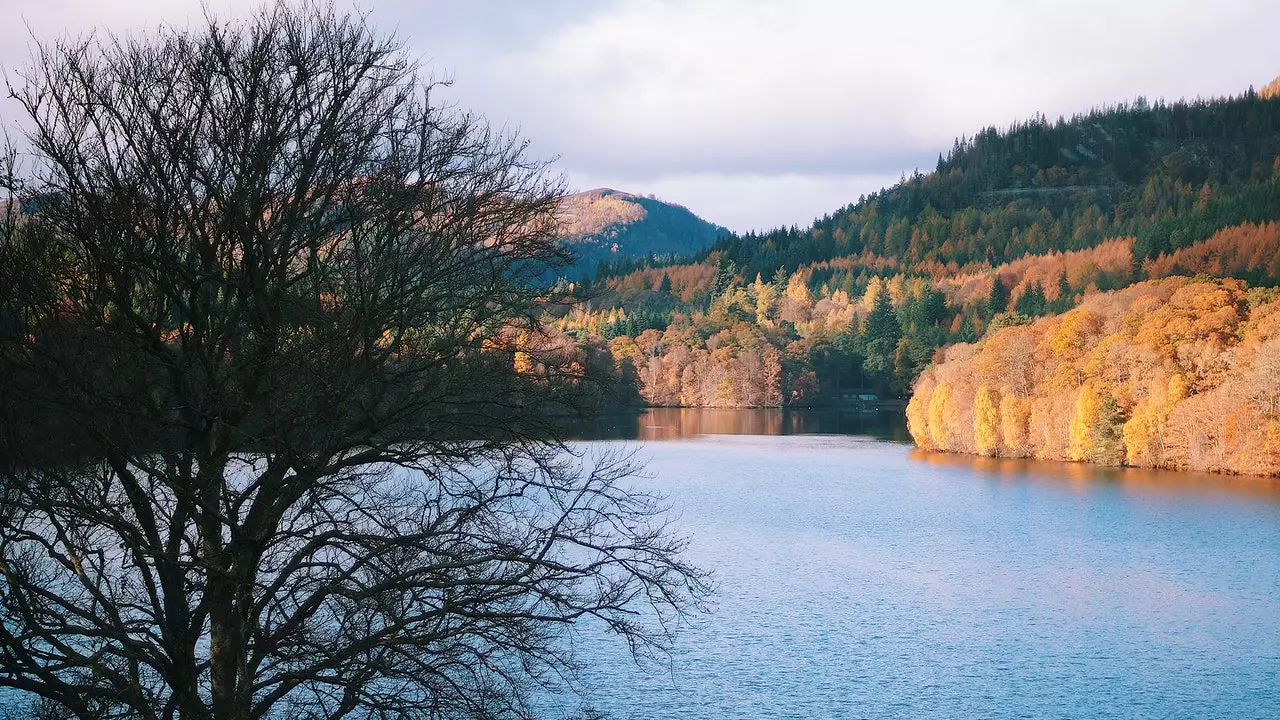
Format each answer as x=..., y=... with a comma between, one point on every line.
x=680, y=423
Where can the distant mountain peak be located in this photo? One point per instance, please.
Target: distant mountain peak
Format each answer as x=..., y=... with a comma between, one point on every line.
x=602, y=191
x=604, y=224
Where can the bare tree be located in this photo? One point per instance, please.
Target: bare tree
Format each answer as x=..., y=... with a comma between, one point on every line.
x=264, y=451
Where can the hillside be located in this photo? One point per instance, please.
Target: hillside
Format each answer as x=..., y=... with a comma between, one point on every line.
x=603, y=225
x=1169, y=174
x=1011, y=226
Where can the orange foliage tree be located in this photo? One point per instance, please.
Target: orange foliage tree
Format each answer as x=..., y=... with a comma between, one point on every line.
x=1179, y=373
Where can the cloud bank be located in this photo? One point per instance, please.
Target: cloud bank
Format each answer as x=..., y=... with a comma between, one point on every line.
x=768, y=113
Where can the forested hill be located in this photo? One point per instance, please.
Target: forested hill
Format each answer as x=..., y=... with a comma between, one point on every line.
x=1170, y=174
x=1012, y=225
x=604, y=225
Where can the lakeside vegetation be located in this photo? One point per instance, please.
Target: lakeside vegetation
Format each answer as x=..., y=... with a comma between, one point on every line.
x=1179, y=373
x=1013, y=227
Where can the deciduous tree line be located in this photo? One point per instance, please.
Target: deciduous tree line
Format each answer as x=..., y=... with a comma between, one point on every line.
x=1177, y=373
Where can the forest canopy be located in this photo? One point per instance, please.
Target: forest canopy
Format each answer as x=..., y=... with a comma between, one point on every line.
x=1011, y=225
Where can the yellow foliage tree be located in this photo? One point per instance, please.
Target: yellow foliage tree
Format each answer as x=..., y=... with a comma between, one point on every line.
x=918, y=413
x=875, y=286
x=798, y=289
x=1144, y=433
x=986, y=421
x=937, y=415
x=896, y=286
x=1178, y=372
x=523, y=363
x=766, y=296
x=1269, y=448
x=1082, y=442
x=1014, y=417
x=1077, y=329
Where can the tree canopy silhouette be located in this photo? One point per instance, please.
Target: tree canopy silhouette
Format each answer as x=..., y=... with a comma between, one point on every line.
x=266, y=445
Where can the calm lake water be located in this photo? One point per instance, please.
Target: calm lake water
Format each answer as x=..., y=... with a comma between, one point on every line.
x=861, y=578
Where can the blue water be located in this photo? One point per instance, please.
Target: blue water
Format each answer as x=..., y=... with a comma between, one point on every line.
x=859, y=578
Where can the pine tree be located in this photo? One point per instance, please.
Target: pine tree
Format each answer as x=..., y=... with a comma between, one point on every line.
x=665, y=286
x=882, y=323
x=1031, y=302
x=998, y=300
x=725, y=272
x=1065, y=300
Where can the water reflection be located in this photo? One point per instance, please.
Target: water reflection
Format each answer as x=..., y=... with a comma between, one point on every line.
x=862, y=579
x=660, y=424
x=1085, y=476
x=680, y=423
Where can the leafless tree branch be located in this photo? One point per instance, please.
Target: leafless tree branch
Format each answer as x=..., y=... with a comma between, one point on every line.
x=264, y=448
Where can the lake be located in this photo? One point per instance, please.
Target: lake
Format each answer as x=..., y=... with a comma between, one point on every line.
x=859, y=577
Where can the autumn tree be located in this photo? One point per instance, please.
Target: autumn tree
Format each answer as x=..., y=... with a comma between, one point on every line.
x=1015, y=412
x=918, y=411
x=1175, y=373
x=987, y=427
x=268, y=450
x=940, y=428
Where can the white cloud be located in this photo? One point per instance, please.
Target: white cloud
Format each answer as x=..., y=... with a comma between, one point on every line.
x=663, y=86
x=51, y=18
x=721, y=93
x=783, y=101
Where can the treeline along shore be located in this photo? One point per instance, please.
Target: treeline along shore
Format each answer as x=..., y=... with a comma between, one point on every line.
x=1182, y=373
x=1095, y=288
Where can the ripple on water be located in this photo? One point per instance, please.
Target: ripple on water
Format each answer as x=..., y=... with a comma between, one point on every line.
x=859, y=578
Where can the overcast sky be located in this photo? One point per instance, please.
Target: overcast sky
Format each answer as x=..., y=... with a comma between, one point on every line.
x=760, y=113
